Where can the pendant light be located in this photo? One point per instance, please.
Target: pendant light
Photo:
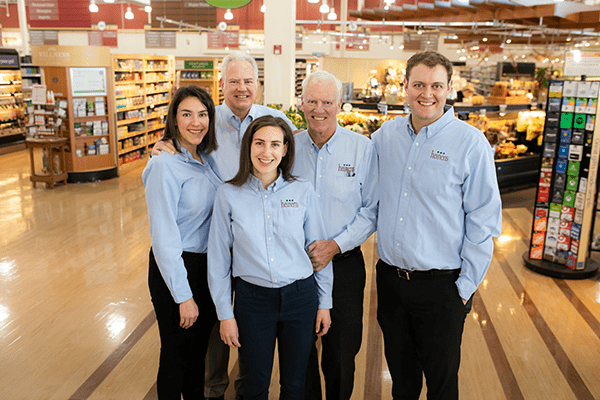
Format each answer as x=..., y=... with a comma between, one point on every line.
x=93, y=6
x=332, y=16
x=324, y=9
x=228, y=15
x=129, y=13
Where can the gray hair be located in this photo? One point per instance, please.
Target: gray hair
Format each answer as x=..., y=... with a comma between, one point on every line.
x=238, y=56
x=321, y=76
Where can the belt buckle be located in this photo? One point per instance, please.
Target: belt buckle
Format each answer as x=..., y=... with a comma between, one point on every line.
x=404, y=274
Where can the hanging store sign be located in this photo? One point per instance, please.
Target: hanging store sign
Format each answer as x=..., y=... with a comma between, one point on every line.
x=162, y=39
x=103, y=38
x=227, y=39
x=43, y=10
x=423, y=42
x=43, y=38
x=579, y=63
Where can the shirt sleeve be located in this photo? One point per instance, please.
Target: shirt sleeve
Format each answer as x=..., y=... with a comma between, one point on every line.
x=163, y=190
x=314, y=229
x=220, y=242
x=365, y=221
x=483, y=220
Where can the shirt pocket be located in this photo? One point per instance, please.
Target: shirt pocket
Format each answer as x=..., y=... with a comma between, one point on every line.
x=344, y=187
x=290, y=223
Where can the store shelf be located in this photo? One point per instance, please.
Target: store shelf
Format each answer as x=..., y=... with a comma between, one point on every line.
x=143, y=84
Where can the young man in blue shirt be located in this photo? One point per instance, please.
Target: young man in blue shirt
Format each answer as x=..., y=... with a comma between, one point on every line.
x=439, y=208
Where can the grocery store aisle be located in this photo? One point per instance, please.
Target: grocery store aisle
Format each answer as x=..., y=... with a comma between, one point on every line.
x=76, y=320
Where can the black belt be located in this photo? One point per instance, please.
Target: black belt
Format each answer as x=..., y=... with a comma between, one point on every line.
x=350, y=253
x=429, y=274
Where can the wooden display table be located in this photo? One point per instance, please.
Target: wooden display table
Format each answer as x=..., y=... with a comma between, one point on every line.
x=54, y=146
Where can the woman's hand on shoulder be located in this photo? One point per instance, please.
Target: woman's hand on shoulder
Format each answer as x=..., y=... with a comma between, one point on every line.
x=229, y=333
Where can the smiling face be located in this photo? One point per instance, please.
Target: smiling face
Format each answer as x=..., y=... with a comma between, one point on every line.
x=192, y=123
x=266, y=152
x=239, y=87
x=320, y=106
x=426, y=92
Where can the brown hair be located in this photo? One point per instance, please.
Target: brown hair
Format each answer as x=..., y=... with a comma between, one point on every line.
x=430, y=59
x=209, y=142
x=287, y=162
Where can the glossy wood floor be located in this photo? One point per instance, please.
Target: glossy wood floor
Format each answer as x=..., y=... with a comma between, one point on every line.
x=76, y=320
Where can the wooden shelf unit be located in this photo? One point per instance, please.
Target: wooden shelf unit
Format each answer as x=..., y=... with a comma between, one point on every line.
x=202, y=72
x=12, y=113
x=143, y=88
x=86, y=131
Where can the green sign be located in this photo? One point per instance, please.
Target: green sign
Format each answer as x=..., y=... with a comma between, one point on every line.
x=228, y=3
x=198, y=64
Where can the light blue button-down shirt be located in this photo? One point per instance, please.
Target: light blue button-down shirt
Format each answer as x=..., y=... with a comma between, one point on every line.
x=439, y=203
x=344, y=174
x=225, y=160
x=180, y=192
x=261, y=236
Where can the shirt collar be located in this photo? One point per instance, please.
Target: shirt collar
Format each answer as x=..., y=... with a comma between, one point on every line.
x=187, y=156
x=331, y=143
x=229, y=114
x=256, y=184
x=436, y=126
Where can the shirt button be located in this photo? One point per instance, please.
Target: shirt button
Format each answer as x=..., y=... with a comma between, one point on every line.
x=320, y=158
x=397, y=244
x=417, y=143
x=319, y=195
x=405, y=194
x=268, y=216
x=401, y=219
x=320, y=176
x=275, y=281
x=270, y=238
x=409, y=168
x=266, y=196
x=272, y=260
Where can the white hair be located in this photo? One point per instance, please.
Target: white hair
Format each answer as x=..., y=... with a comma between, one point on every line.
x=238, y=56
x=321, y=76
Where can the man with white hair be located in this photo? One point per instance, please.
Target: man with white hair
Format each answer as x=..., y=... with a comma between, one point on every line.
x=342, y=166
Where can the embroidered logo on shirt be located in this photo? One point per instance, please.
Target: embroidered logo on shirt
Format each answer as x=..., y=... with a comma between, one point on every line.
x=439, y=155
x=347, y=168
x=289, y=203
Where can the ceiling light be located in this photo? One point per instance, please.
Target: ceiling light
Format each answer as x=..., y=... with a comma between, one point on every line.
x=332, y=16
x=228, y=15
x=485, y=39
x=263, y=8
x=324, y=9
x=93, y=6
x=129, y=13
x=313, y=1
x=109, y=1
x=148, y=9
x=508, y=41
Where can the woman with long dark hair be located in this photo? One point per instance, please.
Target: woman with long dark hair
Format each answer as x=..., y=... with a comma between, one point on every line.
x=263, y=222
x=180, y=191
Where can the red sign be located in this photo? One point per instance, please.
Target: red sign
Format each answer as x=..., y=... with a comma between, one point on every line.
x=43, y=10
x=103, y=38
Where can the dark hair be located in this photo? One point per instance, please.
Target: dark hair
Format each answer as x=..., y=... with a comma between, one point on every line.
x=209, y=143
x=287, y=162
x=430, y=59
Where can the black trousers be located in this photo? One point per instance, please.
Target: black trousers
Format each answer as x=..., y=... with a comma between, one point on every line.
x=422, y=322
x=182, y=351
x=342, y=342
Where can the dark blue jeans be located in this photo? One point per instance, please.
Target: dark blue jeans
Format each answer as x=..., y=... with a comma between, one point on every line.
x=266, y=315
